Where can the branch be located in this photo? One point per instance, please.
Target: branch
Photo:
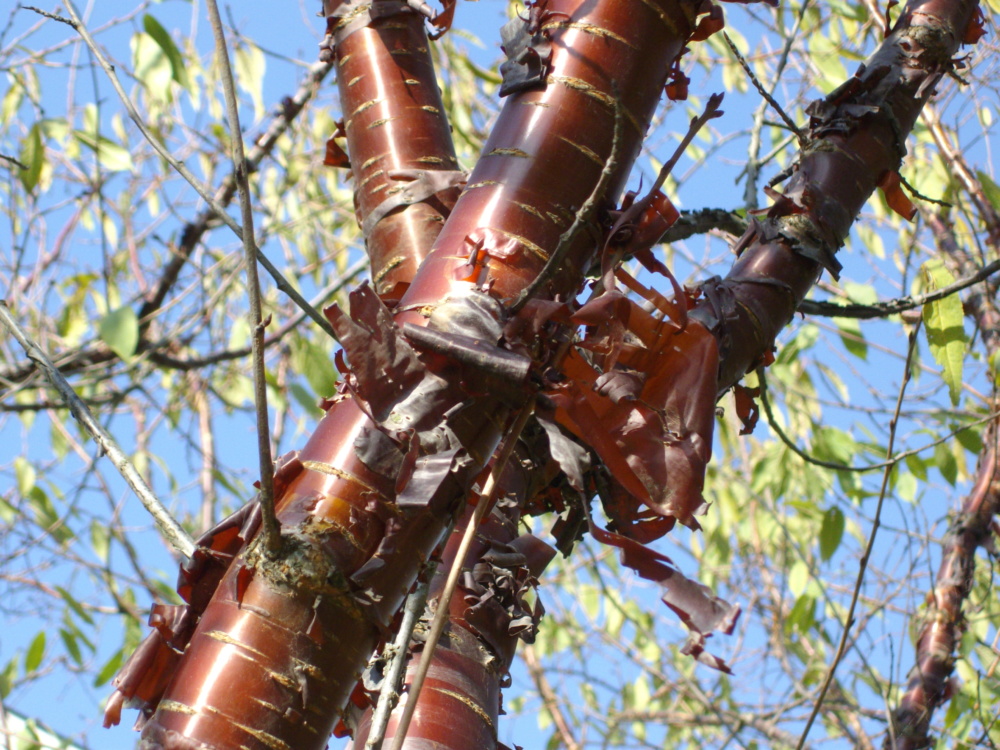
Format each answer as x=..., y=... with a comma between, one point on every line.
x=898, y=305
x=270, y=530
x=282, y=283
x=550, y=700
x=399, y=653
x=171, y=530
x=891, y=461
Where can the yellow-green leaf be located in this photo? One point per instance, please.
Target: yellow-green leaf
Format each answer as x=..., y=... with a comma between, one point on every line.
x=36, y=652
x=112, y=156
x=119, y=329
x=831, y=532
x=943, y=325
x=33, y=158
x=991, y=189
x=162, y=38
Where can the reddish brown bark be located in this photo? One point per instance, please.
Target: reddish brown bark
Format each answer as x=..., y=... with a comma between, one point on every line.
x=459, y=705
x=398, y=139
x=854, y=144
x=292, y=633
x=943, y=620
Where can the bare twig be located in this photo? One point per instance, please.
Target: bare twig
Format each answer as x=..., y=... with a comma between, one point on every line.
x=483, y=506
x=279, y=279
x=861, y=468
x=399, y=655
x=789, y=122
x=900, y=304
x=11, y=160
x=550, y=701
x=172, y=531
x=863, y=566
x=270, y=531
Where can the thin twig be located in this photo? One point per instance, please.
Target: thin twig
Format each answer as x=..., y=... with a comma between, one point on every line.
x=583, y=215
x=550, y=701
x=270, y=530
x=483, y=505
x=899, y=304
x=13, y=161
x=282, y=283
x=859, y=469
x=172, y=531
x=398, y=657
x=789, y=122
x=876, y=522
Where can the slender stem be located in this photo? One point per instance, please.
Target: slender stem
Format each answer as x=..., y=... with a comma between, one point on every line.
x=389, y=693
x=441, y=615
x=899, y=304
x=876, y=522
x=279, y=279
x=270, y=531
x=172, y=531
x=888, y=463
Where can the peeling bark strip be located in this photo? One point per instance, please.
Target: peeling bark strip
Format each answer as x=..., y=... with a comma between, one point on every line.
x=460, y=703
x=279, y=647
x=855, y=142
x=397, y=136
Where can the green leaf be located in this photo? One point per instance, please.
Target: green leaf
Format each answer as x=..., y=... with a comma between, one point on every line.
x=990, y=189
x=250, y=66
x=33, y=158
x=312, y=360
x=943, y=325
x=802, y=616
x=36, y=652
x=119, y=329
x=109, y=670
x=831, y=532
x=100, y=539
x=112, y=156
x=162, y=37
x=72, y=647
x=47, y=517
x=25, y=474
x=851, y=337
x=74, y=605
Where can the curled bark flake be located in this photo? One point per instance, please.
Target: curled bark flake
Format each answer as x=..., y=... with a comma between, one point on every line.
x=384, y=365
x=655, y=445
x=746, y=407
x=528, y=47
x=711, y=22
x=890, y=185
x=573, y=459
x=418, y=185
x=976, y=29
x=701, y=612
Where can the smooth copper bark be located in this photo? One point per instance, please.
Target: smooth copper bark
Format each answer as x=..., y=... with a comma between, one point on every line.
x=395, y=124
x=279, y=649
x=854, y=143
x=549, y=146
